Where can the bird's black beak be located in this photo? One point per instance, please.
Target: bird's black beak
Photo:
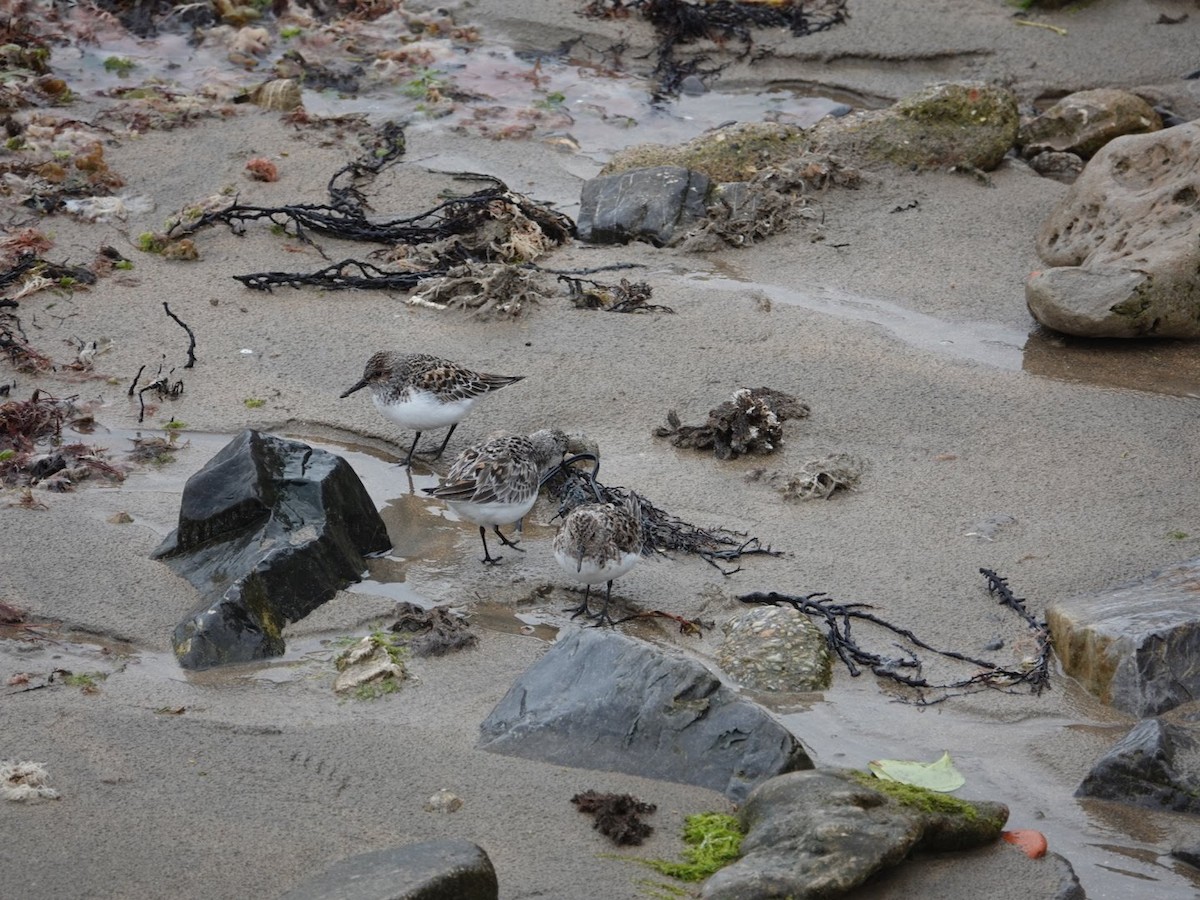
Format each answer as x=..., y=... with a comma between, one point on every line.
x=362, y=383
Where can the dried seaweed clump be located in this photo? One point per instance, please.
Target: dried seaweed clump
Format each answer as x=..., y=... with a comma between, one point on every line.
x=432, y=632
x=744, y=213
x=751, y=421
x=618, y=816
x=626, y=297
x=817, y=480
x=485, y=289
x=26, y=423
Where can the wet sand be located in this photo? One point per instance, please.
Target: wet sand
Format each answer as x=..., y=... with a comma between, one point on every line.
x=906, y=332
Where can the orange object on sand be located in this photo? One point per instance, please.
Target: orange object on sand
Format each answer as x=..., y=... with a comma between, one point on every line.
x=1033, y=843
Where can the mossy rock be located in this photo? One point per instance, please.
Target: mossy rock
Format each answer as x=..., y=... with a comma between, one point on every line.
x=736, y=153
x=968, y=125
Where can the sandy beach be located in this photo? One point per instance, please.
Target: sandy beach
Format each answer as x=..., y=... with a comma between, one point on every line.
x=900, y=319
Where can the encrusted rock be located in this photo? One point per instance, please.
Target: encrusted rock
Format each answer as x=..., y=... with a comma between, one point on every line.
x=1124, y=243
x=775, y=648
x=735, y=153
x=823, y=832
x=604, y=701
x=969, y=125
x=449, y=869
x=269, y=530
x=1083, y=122
x=1156, y=765
x=657, y=205
x=1064, y=167
x=1136, y=647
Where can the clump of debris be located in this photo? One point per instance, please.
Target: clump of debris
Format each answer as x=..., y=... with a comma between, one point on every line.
x=26, y=424
x=624, y=297
x=751, y=421
x=817, y=480
x=432, y=632
x=618, y=816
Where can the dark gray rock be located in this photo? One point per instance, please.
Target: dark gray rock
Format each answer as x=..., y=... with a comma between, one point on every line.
x=656, y=204
x=268, y=530
x=1156, y=765
x=1188, y=851
x=601, y=700
x=824, y=832
x=433, y=870
x=1136, y=647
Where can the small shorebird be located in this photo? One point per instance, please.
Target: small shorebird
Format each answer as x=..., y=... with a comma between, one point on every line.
x=496, y=483
x=599, y=542
x=423, y=392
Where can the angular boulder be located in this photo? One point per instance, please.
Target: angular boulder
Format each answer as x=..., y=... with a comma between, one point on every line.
x=657, y=205
x=1123, y=245
x=601, y=700
x=268, y=530
x=1137, y=646
x=432, y=870
x=822, y=833
x=1156, y=765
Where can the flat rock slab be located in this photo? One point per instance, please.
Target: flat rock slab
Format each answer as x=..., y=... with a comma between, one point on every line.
x=433, y=870
x=601, y=700
x=1136, y=647
x=268, y=530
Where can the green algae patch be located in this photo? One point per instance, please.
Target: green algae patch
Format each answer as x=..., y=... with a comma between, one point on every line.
x=713, y=840
x=737, y=153
x=919, y=798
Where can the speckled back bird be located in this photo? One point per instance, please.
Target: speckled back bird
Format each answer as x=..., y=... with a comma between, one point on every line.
x=600, y=542
x=496, y=482
x=424, y=392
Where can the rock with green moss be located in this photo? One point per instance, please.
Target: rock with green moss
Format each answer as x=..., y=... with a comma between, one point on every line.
x=823, y=832
x=966, y=125
x=736, y=153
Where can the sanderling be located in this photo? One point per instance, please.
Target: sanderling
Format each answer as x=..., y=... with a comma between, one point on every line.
x=600, y=542
x=496, y=483
x=422, y=392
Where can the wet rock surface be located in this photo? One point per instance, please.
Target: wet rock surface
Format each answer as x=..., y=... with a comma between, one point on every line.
x=268, y=530
x=1156, y=765
x=1121, y=245
x=824, y=832
x=600, y=700
x=1137, y=646
x=432, y=870
x=657, y=205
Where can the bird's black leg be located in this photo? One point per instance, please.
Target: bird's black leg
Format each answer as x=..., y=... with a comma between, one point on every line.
x=442, y=449
x=505, y=541
x=582, y=608
x=604, y=619
x=411, y=451
x=488, y=559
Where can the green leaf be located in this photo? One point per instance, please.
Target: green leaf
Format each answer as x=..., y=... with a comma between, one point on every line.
x=935, y=776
